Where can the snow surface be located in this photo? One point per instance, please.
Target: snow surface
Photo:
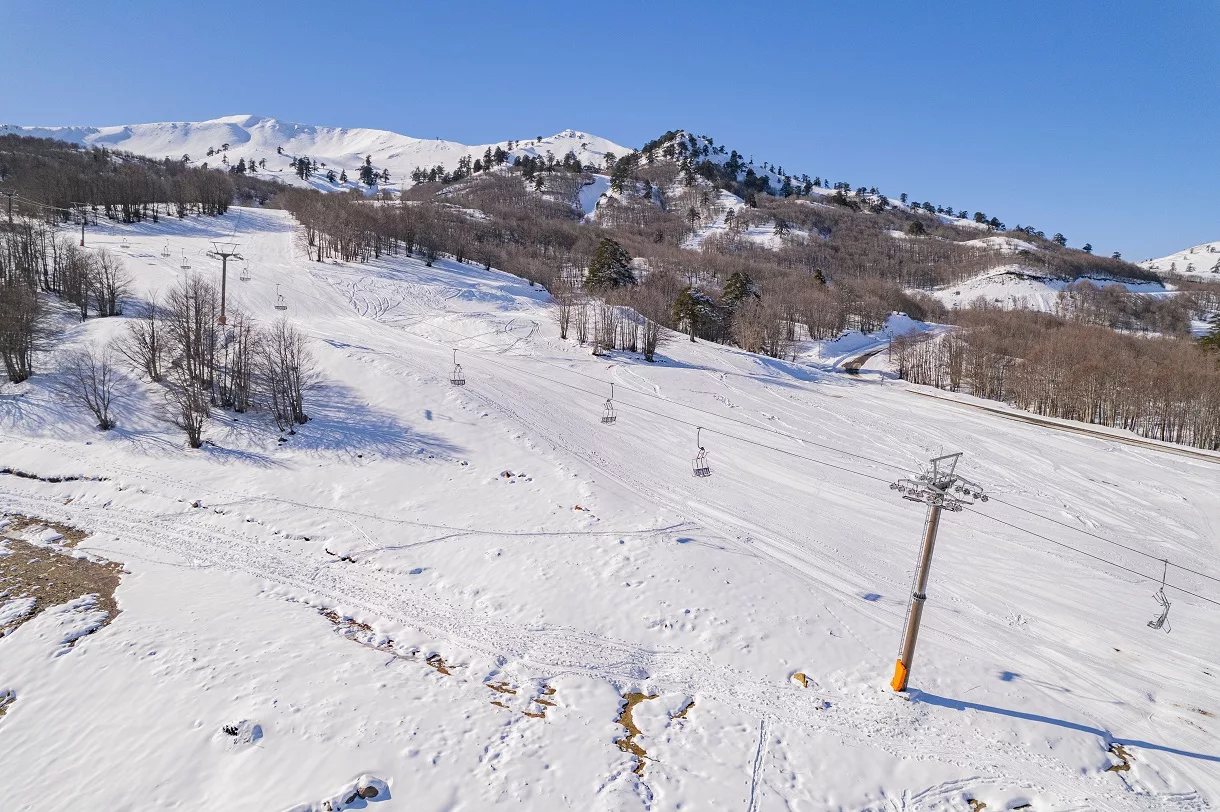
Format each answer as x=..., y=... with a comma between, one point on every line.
x=1204, y=257
x=503, y=528
x=340, y=148
x=1019, y=286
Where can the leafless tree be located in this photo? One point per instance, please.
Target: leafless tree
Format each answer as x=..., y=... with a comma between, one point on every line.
x=189, y=403
x=89, y=379
x=24, y=327
x=288, y=372
x=144, y=345
x=110, y=283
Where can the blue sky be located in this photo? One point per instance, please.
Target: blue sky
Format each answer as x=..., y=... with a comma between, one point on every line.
x=1100, y=120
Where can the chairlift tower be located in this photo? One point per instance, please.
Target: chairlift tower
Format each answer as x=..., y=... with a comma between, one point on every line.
x=940, y=488
x=224, y=250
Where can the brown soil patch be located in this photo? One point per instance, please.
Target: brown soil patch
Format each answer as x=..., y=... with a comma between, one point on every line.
x=534, y=715
x=437, y=662
x=627, y=743
x=6, y=698
x=682, y=713
x=500, y=687
x=52, y=577
x=1123, y=756
x=498, y=702
x=71, y=535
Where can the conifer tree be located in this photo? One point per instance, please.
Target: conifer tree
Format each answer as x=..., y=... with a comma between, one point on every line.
x=610, y=267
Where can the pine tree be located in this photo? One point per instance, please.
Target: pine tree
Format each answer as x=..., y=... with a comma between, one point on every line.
x=916, y=229
x=368, y=175
x=1060, y=239
x=738, y=287
x=343, y=176
x=819, y=277
x=610, y=267
x=1088, y=248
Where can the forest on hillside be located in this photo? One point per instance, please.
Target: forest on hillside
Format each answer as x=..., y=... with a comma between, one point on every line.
x=792, y=263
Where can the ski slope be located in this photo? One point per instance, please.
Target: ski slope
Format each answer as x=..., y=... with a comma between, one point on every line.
x=258, y=138
x=507, y=550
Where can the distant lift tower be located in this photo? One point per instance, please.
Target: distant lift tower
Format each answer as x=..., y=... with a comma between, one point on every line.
x=941, y=489
x=224, y=250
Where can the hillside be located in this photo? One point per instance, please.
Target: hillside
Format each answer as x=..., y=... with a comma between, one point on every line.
x=1197, y=262
x=484, y=597
x=258, y=139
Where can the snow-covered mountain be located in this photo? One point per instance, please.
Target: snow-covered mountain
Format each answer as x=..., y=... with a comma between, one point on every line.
x=258, y=138
x=1198, y=260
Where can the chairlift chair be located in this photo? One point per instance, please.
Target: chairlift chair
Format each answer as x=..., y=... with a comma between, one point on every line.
x=608, y=415
x=1162, y=620
x=280, y=304
x=165, y=250
x=123, y=243
x=457, y=377
x=244, y=276
x=186, y=265
x=699, y=465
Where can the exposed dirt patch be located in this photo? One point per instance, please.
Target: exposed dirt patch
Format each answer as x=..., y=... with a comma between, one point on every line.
x=500, y=687
x=6, y=698
x=627, y=743
x=436, y=661
x=69, y=536
x=685, y=710
x=1124, y=758
x=1199, y=711
x=49, y=575
x=975, y=805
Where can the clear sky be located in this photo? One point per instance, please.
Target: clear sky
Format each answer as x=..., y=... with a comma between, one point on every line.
x=1097, y=119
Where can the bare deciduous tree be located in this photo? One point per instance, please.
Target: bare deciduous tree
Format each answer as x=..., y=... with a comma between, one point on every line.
x=23, y=328
x=110, y=283
x=288, y=371
x=89, y=378
x=189, y=404
x=144, y=345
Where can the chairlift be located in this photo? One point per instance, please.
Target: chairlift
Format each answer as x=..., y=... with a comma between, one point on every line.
x=165, y=250
x=186, y=265
x=700, y=463
x=244, y=276
x=608, y=415
x=457, y=377
x=123, y=243
x=280, y=304
x=1162, y=621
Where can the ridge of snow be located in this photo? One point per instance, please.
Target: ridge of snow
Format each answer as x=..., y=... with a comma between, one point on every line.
x=1205, y=257
x=257, y=138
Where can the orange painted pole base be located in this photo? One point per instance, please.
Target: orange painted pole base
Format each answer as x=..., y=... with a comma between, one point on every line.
x=899, y=683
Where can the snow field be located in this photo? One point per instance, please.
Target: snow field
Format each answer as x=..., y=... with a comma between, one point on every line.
x=599, y=567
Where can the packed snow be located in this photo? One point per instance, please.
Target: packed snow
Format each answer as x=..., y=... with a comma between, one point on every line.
x=447, y=593
x=258, y=138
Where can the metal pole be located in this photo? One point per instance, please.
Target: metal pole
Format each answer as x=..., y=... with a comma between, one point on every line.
x=224, y=272
x=902, y=669
x=10, y=205
x=83, y=216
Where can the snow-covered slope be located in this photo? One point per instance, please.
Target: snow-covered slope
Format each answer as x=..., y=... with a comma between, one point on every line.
x=257, y=138
x=1019, y=286
x=1199, y=261
x=520, y=568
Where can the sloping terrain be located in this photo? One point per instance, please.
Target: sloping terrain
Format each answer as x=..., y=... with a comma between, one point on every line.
x=1198, y=261
x=473, y=593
